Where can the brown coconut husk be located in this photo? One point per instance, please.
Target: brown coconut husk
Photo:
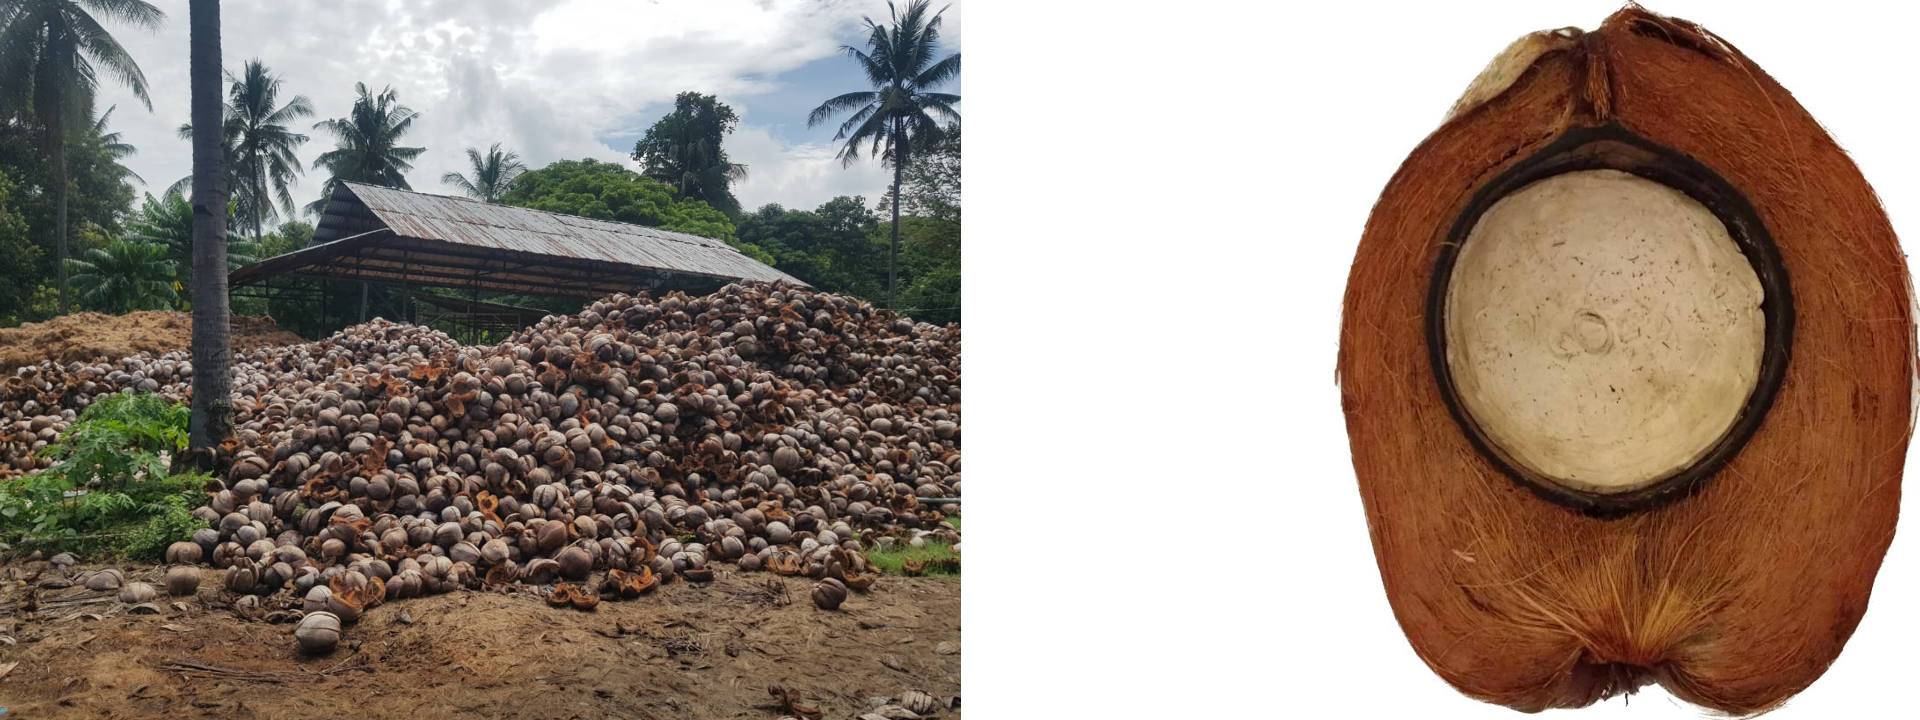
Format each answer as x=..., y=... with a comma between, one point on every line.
x=1737, y=593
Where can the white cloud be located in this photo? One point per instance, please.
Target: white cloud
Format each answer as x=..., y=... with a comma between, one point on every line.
x=544, y=79
x=800, y=177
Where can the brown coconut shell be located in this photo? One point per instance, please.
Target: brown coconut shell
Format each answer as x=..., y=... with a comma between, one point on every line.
x=1734, y=589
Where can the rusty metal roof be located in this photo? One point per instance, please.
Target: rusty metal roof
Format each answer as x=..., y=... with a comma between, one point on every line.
x=395, y=236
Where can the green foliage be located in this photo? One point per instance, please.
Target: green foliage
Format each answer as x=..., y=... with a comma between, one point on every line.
x=828, y=248
x=98, y=198
x=930, y=184
x=168, y=220
x=109, y=488
x=842, y=247
x=42, y=303
x=18, y=276
x=115, y=148
x=264, y=146
x=125, y=276
x=290, y=236
x=683, y=150
x=257, y=148
x=493, y=173
x=367, y=144
x=603, y=190
x=901, y=112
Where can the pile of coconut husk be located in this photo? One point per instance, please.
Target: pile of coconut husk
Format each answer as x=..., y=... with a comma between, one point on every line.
x=92, y=337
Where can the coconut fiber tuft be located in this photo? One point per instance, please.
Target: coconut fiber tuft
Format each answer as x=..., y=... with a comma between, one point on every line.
x=1735, y=589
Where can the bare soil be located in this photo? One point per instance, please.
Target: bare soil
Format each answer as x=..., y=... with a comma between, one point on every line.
x=684, y=651
x=91, y=336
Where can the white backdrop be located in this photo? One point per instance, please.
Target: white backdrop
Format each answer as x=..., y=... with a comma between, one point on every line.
x=1396, y=68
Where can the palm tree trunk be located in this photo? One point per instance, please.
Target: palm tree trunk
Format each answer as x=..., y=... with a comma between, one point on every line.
x=211, y=418
x=60, y=216
x=259, y=186
x=893, y=248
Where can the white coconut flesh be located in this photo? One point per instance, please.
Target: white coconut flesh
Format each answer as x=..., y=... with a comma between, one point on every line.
x=1603, y=331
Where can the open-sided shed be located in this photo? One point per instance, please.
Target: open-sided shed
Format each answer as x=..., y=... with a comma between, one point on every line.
x=394, y=237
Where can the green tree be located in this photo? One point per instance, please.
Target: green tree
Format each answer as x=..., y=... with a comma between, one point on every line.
x=19, y=274
x=263, y=147
x=901, y=111
x=603, y=190
x=290, y=236
x=127, y=275
x=168, y=220
x=930, y=264
x=367, y=145
x=99, y=196
x=115, y=148
x=828, y=248
x=52, y=53
x=683, y=150
x=493, y=173
x=931, y=184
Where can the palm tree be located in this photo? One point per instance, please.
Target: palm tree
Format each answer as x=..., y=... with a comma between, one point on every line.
x=259, y=149
x=210, y=417
x=367, y=148
x=265, y=147
x=167, y=220
x=52, y=53
x=683, y=150
x=116, y=148
x=127, y=275
x=900, y=111
x=493, y=173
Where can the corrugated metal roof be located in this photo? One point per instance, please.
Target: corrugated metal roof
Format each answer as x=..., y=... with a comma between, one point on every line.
x=499, y=227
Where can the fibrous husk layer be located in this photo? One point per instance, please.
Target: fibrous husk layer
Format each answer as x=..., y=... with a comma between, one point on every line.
x=1735, y=597
x=93, y=337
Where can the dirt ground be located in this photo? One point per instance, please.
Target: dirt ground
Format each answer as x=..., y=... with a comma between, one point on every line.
x=684, y=651
x=90, y=336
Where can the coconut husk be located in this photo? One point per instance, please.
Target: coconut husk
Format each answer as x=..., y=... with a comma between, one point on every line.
x=1734, y=589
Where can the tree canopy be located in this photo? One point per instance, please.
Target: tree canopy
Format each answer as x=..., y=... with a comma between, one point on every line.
x=683, y=150
x=124, y=276
x=367, y=144
x=901, y=113
x=606, y=191
x=493, y=173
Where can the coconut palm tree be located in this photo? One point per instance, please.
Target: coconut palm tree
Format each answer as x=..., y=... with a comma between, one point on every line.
x=259, y=149
x=210, y=416
x=901, y=110
x=168, y=220
x=493, y=173
x=238, y=191
x=367, y=144
x=124, y=276
x=116, y=148
x=52, y=54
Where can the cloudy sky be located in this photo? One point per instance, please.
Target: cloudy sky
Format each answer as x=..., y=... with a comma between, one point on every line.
x=551, y=80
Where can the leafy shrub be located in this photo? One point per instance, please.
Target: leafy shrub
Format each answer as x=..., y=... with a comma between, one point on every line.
x=110, y=489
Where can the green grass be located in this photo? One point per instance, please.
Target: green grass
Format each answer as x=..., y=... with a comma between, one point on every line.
x=954, y=521
x=890, y=561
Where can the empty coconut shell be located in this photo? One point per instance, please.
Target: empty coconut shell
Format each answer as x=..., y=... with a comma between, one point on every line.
x=829, y=593
x=318, y=633
x=183, y=580
x=1627, y=360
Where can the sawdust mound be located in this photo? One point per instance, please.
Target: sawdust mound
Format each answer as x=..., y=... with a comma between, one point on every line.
x=91, y=336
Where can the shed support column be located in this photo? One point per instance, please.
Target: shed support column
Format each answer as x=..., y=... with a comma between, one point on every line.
x=363, y=301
